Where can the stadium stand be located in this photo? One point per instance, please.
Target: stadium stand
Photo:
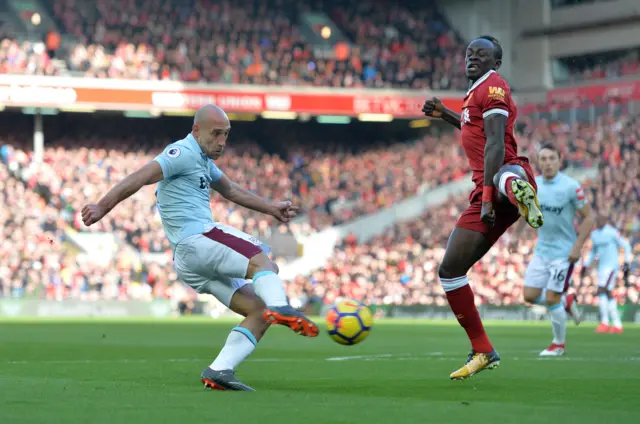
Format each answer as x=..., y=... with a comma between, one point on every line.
x=259, y=42
x=396, y=267
x=334, y=175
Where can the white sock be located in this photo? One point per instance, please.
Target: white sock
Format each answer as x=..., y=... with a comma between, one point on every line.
x=268, y=286
x=615, y=315
x=603, y=306
x=240, y=343
x=558, y=323
x=451, y=284
x=502, y=184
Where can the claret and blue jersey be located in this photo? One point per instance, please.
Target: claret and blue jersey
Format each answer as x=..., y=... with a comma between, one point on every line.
x=183, y=197
x=560, y=198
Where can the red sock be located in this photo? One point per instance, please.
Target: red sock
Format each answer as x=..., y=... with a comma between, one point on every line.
x=509, y=191
x=464, y=307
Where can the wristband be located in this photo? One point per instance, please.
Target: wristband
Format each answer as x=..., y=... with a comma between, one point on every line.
x=487, y=194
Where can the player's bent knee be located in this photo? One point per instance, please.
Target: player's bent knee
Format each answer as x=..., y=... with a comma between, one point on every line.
x=260, y=263
x=553, y=298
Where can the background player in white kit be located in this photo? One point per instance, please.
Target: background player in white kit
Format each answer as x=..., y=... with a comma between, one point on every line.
x=558, y=248
x=211, y=257
x=607, y=242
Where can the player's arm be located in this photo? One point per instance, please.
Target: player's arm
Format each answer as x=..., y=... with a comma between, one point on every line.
x=624, y=243
x=234, y=192
x=434, y=108
x=151, y=173
x=495, y=124
x=583, y=232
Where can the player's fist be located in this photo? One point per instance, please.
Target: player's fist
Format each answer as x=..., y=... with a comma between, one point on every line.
x=284, y=211
x=92, y=214
x=488, y=214
x=433, y=108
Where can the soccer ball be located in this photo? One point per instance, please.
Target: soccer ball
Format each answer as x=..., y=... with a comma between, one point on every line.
x=349, y=322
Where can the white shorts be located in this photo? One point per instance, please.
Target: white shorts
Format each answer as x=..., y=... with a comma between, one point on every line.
x=550, y=274
x=216, y=262
x=607, y=278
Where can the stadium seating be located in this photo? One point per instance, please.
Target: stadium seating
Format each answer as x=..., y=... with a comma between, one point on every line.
x=258, y=42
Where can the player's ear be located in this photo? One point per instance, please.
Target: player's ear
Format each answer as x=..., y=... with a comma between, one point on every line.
x=195, y=129
x=498, y=64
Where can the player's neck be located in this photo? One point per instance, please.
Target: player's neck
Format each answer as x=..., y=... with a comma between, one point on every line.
x=550, y=179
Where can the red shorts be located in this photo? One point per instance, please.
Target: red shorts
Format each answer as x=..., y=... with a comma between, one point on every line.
x=506, y=213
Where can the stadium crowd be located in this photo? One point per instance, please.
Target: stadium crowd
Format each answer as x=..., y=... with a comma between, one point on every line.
x=396, y=267
x=251, y=42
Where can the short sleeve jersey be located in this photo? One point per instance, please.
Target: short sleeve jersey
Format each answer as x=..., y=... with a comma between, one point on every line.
x=183, y=194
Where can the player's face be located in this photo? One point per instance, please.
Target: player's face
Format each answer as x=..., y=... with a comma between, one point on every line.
x=480, y=59
x=213, y=138
x=549, y=163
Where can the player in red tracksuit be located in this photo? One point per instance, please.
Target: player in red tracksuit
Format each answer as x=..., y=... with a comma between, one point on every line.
x=505, y=189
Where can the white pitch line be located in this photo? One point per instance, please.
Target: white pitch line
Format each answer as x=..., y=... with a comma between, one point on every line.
x=438, y=356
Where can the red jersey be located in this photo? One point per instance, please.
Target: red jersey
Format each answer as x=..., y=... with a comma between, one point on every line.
x=488, y=95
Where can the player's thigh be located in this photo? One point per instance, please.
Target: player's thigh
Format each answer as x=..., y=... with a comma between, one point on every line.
x=561, y=277
x=607, y=278
x=222, y=288
x=464, y=248
x=537, y=277
x=219, y=253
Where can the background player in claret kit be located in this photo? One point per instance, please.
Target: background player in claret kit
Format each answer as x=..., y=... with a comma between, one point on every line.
x=550, y=272
x=505, y=189
x=211, y=257
x=607, y=242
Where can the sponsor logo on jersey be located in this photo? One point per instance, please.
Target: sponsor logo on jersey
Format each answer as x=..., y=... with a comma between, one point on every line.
x=552, y=209
x=496, y=93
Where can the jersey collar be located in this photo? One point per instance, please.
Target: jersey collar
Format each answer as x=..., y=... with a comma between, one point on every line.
x=195, y=144
x=552, y=180
x=480, y=80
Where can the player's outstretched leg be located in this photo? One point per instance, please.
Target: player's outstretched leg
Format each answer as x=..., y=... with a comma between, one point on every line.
x=242, y=341
x=512, y=182
x=466, y=247
x=269, y=287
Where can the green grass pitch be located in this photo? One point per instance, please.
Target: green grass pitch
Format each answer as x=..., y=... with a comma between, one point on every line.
x=148, y=372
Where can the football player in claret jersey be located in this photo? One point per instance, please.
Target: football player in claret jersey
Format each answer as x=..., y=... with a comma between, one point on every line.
x=606, y=243
x=504, y=190
x=550, y=272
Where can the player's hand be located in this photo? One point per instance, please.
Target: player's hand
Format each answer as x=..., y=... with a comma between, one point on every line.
x=284, y=211
x=574, y=255
x=488, y=214
x=433, y=108
x=92, y=214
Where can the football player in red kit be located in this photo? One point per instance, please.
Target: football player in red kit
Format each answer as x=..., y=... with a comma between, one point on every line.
x=504, y=189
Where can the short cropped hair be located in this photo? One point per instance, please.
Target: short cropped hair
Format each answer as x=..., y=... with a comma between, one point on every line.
x=496, y=45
